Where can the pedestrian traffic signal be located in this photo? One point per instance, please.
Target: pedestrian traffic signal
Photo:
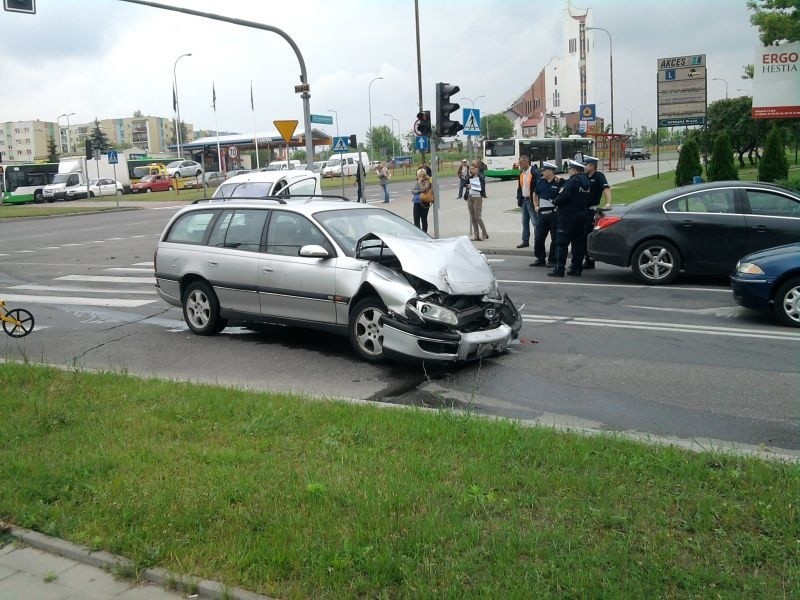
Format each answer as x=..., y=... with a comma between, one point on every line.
x=23, y=6
x=89, y=153
x=353, y=141
x=424, y=118
x=444, y=108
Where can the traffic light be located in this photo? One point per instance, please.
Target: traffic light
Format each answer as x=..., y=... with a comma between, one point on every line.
x=23, y=6
x=89, y=153
x=424, y=118
x=353, y=141
x=444, y=108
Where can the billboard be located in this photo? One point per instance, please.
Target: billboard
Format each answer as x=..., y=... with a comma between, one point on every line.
x=776, y=82
x=681, y=90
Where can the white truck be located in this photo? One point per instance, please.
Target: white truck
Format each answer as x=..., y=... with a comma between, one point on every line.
x=347, y=162
x=72, y=175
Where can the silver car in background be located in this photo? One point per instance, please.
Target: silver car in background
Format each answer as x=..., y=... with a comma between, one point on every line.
x=338, y=266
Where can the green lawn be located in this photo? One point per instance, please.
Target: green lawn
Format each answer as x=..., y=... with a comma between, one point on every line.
x=39, y=210
x=310, y=499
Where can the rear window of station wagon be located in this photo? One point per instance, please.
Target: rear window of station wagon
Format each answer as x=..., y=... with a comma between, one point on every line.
x=191, y=227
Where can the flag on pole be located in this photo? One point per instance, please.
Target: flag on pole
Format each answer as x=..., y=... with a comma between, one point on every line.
x=213, y=96
x=252, y=106
x=174, y=98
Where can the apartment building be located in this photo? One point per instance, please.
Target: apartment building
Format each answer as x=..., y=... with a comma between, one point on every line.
x=23, y=141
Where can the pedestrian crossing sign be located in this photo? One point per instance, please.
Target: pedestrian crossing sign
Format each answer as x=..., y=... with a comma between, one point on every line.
x=341, y=144
x=472, y=121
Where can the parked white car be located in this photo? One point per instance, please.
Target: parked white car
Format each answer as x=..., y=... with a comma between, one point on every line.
x=97, y=187
x=260, y=184
x=184, y=168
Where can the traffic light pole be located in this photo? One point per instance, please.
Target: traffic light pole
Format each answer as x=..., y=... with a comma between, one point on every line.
x=435, y=187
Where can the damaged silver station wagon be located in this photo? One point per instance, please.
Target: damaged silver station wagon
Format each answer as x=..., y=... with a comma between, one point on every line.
x=337, y=266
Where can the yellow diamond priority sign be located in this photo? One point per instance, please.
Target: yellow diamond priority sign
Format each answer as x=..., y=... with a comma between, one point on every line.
x=286, y=129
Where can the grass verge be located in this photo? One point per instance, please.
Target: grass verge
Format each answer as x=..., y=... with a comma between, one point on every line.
x=38, y=210
x=298, y=498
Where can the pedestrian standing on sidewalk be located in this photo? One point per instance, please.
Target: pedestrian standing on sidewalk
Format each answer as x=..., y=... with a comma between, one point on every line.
x=360, y=183
x=422, y=198
x=383, y=176
x=482, y=174
x=463, y=178
x=600, y=189
x=475, y=206
x=546, y=190
x=571, y=205
x=525, y=189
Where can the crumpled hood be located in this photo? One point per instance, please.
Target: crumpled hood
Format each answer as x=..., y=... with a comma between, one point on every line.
x=453, y=265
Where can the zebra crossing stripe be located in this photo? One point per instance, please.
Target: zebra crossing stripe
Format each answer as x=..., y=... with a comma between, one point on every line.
x=32, y=287
x=76, y=301
x=107, y=279
x=129, y=270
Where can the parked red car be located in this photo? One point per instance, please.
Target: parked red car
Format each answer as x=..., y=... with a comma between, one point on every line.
x=153, y=183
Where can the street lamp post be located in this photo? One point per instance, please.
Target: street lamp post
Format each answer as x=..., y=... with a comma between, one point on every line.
x=67, y=150
x=341, y=162
x=391, y=124
x=469, y=136
x=369, y=98
x=723, y=81
x=177, y=103
x=610, y=71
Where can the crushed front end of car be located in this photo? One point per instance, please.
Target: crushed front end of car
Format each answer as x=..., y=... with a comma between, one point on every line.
x=442, y=298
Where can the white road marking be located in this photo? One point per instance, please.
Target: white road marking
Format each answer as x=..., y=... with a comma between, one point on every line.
x=76, y=301
x=491, y=260
x=50, y=248
x=107, y=279
x=144, y=264
x=114, y=239
x=3, y=254
x=674, y=327
x=88, y=290
x=663, y=288
x=128, y=270
x=25, y=252
x=66, y=245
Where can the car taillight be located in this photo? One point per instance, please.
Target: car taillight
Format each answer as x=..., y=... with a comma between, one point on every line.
x=604, y=222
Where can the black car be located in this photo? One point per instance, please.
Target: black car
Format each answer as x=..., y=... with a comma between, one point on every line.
x=702, y=228
x=637, y=154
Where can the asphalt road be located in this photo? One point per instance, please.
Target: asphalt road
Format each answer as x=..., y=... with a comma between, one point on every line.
x=601, y=351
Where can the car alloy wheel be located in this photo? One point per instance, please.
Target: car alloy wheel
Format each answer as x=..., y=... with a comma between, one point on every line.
x=656, y=262
x=201, y=309
x=366, y=330
x=787, y=303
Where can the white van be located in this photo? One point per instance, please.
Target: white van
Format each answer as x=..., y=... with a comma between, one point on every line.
x=348, y=161
x=281, y=165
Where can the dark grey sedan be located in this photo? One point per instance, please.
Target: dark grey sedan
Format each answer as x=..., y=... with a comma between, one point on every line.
x=701, y=228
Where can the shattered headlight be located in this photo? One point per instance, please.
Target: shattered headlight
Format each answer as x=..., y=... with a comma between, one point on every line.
x=433, y=312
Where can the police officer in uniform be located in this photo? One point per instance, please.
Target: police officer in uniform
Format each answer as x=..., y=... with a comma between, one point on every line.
x=546, y=190
x=600, y=189
x=571, y=204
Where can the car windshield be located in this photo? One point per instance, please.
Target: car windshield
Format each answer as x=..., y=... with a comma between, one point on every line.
x=335, y=162
x=245, y=189
x=174, y=164
x=348, y=226
x=149, y=178
x=275, y=167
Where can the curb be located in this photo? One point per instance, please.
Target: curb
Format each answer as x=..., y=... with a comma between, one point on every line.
x=201, y=588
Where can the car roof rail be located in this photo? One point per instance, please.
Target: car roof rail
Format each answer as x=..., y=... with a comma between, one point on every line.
x=322, y=196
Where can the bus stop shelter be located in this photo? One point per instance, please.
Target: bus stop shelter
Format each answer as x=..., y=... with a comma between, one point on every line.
x=610, y=149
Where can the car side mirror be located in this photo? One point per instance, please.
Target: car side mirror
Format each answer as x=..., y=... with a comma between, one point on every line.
x=314, y=251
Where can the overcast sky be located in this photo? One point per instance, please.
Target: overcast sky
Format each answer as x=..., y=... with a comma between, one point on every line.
x=108, y=58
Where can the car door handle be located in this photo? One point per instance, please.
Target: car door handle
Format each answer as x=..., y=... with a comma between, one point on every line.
x=213, y=263
x=267, y=270
x=760, y=228
x=686, y=223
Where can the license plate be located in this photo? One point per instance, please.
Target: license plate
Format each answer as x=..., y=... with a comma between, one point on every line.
x=487, y=349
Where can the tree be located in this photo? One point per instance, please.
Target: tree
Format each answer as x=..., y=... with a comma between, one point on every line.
x=777, y=20
x=380, y=139
x=52, y=151
x=688, y=163
x=99, y=138
x=721, y=167
x=773, y=165
x=497, y=126
x=137, y=114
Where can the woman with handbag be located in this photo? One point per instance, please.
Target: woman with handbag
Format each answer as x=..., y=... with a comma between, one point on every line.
x=422, y=199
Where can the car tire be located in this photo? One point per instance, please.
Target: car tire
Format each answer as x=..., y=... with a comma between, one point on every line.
x=91, y=194
x=198, y=173
x=119, y=193
x=170, y=188
x=38, y=197
x=787, y=303
x=201, y=309
x=365, y=330
x=148, y=190
x=656, y=262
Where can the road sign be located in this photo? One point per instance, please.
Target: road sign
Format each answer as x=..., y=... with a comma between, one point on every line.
x=681, y=90
x=422, y=143
x=233, y=151
x=322, y=119
x=303, y=87
x=23, y=6
x=472, y=121
x=113, y=158
x=341, y=144
x=588, y=112
x=286, y=129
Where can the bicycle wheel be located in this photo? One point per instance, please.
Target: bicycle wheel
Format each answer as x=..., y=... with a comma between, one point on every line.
x=25, y=323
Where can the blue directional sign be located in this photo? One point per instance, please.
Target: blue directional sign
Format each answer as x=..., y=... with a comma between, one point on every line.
x=422, y=143
x=341, y=144
x=472, y=121
x=113, y=159
x=322, y=119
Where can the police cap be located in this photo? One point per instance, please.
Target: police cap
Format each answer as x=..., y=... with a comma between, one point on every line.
x=574, y=164
x=548, y=165
x=590, y=159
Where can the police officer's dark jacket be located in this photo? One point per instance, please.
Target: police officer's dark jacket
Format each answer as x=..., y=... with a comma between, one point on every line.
x=598, y=183
x=548, y=190
x=573, y=198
